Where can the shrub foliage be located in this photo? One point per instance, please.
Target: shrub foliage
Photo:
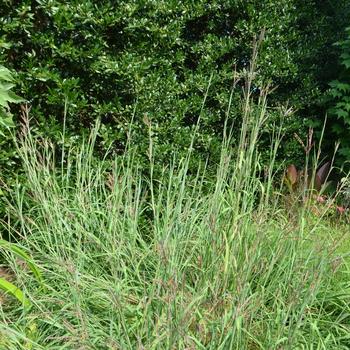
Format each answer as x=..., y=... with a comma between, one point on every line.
x=340, y=99
x=120, y=62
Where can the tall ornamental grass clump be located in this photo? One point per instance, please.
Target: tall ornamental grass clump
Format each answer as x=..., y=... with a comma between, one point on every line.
x=173, y=261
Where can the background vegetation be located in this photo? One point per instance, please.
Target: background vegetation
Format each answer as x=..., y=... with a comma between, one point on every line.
x=142, y=205
x=155, y=58
x=177, y=262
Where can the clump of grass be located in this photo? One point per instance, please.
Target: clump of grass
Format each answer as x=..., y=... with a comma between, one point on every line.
x=141, y=263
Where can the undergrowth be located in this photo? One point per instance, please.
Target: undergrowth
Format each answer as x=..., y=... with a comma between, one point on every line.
x=135, y=262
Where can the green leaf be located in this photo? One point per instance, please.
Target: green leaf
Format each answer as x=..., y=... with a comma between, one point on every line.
x=5, y=74
x=15, y=249
x=6, y=121
x=341, y=113
x=6, y=86
x=10, y=288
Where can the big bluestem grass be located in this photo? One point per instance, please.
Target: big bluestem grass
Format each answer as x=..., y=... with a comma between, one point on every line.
x=136, y=262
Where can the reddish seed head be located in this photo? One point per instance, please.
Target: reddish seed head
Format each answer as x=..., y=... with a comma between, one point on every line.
x=320, y=199
x=340, y=210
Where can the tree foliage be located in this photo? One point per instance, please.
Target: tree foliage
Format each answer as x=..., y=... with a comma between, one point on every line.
x=122, y=61
x=340, y=99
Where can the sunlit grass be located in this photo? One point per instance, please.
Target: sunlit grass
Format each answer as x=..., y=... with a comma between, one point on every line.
x=132, y=264
x=143, y=262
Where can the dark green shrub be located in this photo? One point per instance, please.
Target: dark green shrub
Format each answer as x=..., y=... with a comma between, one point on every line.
x=120, y=61
x=340, y=100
